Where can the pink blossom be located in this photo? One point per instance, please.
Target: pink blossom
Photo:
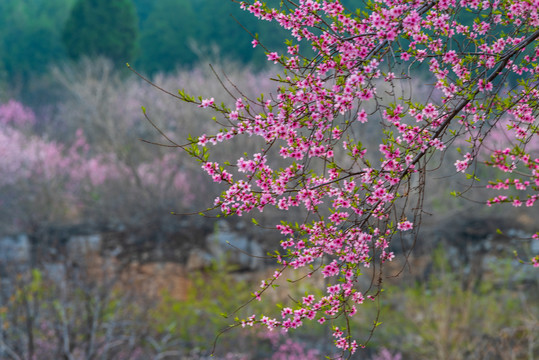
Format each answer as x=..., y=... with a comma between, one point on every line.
x=206, y=103
x=461, y=165
x=273, y=57
x=405, y=225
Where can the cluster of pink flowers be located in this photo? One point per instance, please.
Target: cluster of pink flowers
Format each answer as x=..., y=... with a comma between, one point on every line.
x=315, y=120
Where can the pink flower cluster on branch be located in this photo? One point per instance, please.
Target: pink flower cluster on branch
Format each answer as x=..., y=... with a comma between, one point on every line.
x=358, y=198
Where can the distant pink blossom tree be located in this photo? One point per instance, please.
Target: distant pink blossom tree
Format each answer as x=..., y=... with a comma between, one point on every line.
x=49, y=181
x=315, y=154
x=16, y=114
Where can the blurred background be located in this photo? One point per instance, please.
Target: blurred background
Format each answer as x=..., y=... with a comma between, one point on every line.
x=93, y=265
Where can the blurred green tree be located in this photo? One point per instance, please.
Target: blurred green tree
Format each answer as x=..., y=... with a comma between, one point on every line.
x=102, y=27
x=232, y=29
x=165, y=36
x=29, y=39
x=177, y=33
x=144, y=8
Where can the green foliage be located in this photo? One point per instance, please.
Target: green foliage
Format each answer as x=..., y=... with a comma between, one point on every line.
x=450, y=317
x=216, y=300
x=211, y=298
x=440, y=318
x=166, y=34
x=227, y=26
x=35, y=34
x=30, y=32
x=144, y=8
x=178, y=32
x=33, y=291
x=102, y=28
